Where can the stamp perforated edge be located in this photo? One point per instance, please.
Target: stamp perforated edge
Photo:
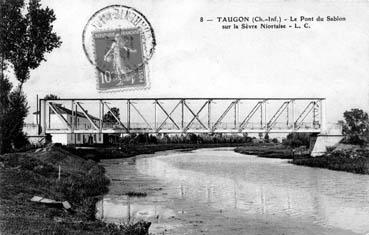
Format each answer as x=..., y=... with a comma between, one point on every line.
x=144, y=65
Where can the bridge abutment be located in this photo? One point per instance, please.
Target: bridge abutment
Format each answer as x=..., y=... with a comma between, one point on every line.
x=328, y=138
x=322, y=141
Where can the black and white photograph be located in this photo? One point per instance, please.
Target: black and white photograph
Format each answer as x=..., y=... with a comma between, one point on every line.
x=166, y=117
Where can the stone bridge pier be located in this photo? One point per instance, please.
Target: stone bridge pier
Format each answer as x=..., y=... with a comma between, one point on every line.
x=331, y=136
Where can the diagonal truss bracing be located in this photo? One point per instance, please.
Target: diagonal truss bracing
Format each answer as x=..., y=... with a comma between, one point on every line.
x=196, y=116
x=168, y=116
x=115, y=117
x=56, y=111
x=310, y=107
x=250, y=115
x=87, y=116
x=258, y=115
x=275, y=117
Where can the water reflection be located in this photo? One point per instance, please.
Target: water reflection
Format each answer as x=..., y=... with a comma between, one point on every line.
x=125, y=209
x=245, y=184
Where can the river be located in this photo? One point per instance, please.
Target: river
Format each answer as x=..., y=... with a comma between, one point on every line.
x=218, y=191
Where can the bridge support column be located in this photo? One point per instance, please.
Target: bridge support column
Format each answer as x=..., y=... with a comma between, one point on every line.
x=319, y=144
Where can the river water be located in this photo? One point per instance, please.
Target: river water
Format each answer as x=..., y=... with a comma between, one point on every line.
x=218, y=191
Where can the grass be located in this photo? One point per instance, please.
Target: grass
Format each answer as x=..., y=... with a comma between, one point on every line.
x=268, y=151
x=24, y=175
x=349, y=158
x=355, y=160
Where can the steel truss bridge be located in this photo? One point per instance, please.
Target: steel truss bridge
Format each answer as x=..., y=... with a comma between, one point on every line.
x=182, y=115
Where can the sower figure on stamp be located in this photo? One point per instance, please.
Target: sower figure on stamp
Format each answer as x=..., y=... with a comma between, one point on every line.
x=119, y=55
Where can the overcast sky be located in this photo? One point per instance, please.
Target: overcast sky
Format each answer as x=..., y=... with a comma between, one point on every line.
x=331, y=59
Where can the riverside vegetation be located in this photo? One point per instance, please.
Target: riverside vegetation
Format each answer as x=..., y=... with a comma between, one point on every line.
x=35, y=173
x=82, y=183
x=352, y=154
x=343, y=157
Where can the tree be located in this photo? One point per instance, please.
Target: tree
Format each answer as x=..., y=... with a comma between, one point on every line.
x=25, y=37
x=109, y=118
x=16, y=110
x=356, y=126
x=51, y=97
x=6, y=87
x=26, y=34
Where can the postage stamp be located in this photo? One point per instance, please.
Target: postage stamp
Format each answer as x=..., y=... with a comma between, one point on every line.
x=119, y=59
x=119, y=42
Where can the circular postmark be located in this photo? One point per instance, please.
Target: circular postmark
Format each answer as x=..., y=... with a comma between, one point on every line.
x=119, y=41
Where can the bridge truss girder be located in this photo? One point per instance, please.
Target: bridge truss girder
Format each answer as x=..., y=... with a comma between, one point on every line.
x=266, y=118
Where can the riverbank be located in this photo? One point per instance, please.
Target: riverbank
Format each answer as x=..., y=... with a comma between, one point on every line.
x=82, y=183
x=134, y=150
x=35, y=173
x=269, y=151
x=349, y=158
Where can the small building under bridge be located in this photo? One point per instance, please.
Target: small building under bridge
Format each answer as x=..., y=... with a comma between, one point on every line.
x=81, y=121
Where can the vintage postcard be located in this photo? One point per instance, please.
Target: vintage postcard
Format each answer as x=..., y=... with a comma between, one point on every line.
x=184, y=117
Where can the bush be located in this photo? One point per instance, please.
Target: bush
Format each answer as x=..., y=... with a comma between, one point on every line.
x=14, y=109
x=356, y=127
x=295, y=140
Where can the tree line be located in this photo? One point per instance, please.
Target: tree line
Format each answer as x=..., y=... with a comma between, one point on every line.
x=26, y=35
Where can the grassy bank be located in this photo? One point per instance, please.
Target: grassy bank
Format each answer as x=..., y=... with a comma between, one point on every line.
x=269, y=151
x=35, y=173
x=348, y=158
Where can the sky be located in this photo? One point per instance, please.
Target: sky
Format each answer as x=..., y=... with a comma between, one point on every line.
x=200, y=59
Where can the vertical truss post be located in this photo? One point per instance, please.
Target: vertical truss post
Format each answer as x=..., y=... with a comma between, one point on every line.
x=44, y=103
x=238, y=116
x=48, y=115
x=293, y=114
x=182, y=114
x=101, y=115
x=72, y=118
x=155, y=115
x=322, y=116
x=235, y=114
x=261, y=115
x=209, y=116
x=37, y=116
x=315, y=114
x=265, y=115
x=75, y=115
x=128, y=115
x=288, y=113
